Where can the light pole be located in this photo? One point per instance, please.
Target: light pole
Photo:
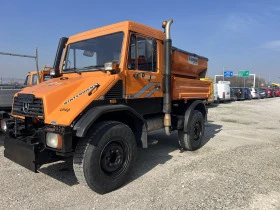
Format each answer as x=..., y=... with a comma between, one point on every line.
x=254, y=80
x=26, y=56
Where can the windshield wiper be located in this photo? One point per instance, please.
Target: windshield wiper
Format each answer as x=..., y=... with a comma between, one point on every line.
x=73, y=69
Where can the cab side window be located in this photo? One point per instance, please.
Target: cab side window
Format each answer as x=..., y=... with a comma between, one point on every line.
x=142, y=54
x=27, y=80
x=34, y=79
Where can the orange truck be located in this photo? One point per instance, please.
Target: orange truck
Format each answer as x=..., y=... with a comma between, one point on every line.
x=32, y=77
x=111, y=86
x=7, y=91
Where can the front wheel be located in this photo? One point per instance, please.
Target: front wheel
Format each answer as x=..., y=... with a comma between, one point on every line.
x=104, y=158
x=192, y=139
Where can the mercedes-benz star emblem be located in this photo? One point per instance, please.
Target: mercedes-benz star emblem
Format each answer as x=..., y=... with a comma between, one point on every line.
x=25, y=107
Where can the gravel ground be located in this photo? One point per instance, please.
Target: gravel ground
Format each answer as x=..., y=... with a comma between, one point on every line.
x=237, y=168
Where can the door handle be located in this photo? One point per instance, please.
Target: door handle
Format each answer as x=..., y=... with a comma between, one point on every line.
x=141, y=74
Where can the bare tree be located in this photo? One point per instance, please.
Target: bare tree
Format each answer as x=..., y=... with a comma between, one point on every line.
x=236, y=81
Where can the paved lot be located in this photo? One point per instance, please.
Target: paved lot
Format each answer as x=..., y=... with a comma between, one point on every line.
x=237, y=168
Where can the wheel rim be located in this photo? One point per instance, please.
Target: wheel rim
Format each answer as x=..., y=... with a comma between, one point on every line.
x=114, y=158
x=197, y=131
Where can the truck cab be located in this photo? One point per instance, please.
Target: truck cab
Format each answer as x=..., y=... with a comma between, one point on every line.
x=32, y=77
x=110, y=87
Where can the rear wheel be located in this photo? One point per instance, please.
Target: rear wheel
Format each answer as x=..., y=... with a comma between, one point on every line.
x=192, y=139
x=105, y=156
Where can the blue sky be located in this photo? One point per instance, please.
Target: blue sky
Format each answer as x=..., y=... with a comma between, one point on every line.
x=236, y=35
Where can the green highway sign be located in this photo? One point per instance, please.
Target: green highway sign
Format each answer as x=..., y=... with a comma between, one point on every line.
x=243, y=73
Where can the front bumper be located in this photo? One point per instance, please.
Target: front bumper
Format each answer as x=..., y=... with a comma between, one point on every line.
x=26, y=153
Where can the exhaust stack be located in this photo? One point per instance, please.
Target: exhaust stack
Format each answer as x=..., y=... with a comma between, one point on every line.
x=167, y=77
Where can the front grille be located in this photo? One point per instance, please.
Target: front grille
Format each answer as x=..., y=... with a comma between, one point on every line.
x=30, y=108
x=116, y=92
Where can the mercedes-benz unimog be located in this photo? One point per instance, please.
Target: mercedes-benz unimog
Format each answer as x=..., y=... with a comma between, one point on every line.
x=7, y=93
x=32, y=76
x=111, y=86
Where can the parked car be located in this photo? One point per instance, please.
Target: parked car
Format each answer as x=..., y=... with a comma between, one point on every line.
x=269, y=93
x=238, y=92
x=233, y=97
x=277, y=92
x=247, y=93
x=254, y=93
x=262, y=93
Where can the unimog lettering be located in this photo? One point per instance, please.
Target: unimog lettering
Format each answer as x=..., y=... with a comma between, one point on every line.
x=80, y=94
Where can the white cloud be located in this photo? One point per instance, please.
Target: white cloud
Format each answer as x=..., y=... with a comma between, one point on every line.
x=240, y=22
x=272, y=45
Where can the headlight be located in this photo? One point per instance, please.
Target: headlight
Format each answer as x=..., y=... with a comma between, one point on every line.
x=3, y=125
x=54, y=140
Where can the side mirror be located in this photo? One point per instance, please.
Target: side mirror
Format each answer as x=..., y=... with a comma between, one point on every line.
x=111, y=66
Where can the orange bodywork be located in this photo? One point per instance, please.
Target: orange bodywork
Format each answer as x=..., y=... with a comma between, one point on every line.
x=65, y=98
x=211, y=95
x=180, y=66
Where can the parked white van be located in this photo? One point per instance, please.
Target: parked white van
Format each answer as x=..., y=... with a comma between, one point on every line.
x=215, y=93
x=223, y=91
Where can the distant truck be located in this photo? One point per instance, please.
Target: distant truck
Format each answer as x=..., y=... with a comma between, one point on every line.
x=7, y=92
x=32, y=77
x=223, y=88
x=111, y=86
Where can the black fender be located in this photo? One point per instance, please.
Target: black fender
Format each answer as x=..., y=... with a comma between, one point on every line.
x=94, y=114
x=195, y=105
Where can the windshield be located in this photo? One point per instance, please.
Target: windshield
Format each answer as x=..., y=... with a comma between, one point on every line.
x=91, y=54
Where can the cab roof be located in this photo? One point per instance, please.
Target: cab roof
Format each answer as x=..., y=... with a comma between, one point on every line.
x=121, y=26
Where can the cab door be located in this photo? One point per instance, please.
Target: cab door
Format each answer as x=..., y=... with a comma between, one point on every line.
x=143, y=78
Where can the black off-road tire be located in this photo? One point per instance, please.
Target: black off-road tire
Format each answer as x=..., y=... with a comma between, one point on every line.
x=192, y=139
x=104, y=158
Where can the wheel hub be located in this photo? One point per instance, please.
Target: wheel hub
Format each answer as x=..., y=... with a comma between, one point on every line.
x=197, y=131
x=112, y=157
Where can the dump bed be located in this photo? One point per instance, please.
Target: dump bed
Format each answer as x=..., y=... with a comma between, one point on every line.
x=187, y=69
x=188, y=64
x=211, y=96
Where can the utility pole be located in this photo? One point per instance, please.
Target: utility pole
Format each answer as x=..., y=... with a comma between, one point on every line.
x=254, y=80
x=26, y=56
